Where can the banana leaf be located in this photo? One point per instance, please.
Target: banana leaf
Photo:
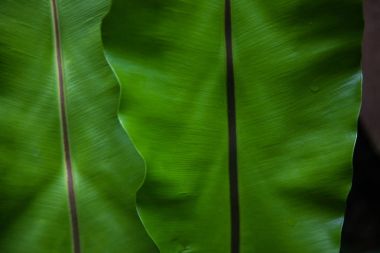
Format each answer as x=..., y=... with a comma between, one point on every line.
x=68, y=172
x=245, y=114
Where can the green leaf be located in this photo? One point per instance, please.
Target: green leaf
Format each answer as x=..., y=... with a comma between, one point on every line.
x=297, y=89
x=34, y=160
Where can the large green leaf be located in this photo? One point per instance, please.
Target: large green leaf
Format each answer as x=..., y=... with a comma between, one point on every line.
x=35, y=161
x=297, y=81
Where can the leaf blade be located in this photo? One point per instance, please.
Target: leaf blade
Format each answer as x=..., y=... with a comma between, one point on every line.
x=297, y=99
x=106, y=168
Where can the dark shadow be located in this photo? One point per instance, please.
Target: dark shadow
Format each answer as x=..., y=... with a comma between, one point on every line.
x=361, y=229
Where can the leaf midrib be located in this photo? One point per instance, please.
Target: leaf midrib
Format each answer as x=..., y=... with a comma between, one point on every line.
x=64, y=127
x=232, y=145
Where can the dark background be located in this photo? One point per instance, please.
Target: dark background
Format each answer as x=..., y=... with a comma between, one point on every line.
x=361, y=229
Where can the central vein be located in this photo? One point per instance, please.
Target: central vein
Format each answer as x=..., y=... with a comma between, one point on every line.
x=233, y=166
x=64, y=128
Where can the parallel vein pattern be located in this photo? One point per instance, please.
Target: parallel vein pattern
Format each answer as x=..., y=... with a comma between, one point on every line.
x=64, y=126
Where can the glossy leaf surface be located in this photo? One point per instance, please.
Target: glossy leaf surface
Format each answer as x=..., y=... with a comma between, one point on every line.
x=34, y=210
x=297, y=90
